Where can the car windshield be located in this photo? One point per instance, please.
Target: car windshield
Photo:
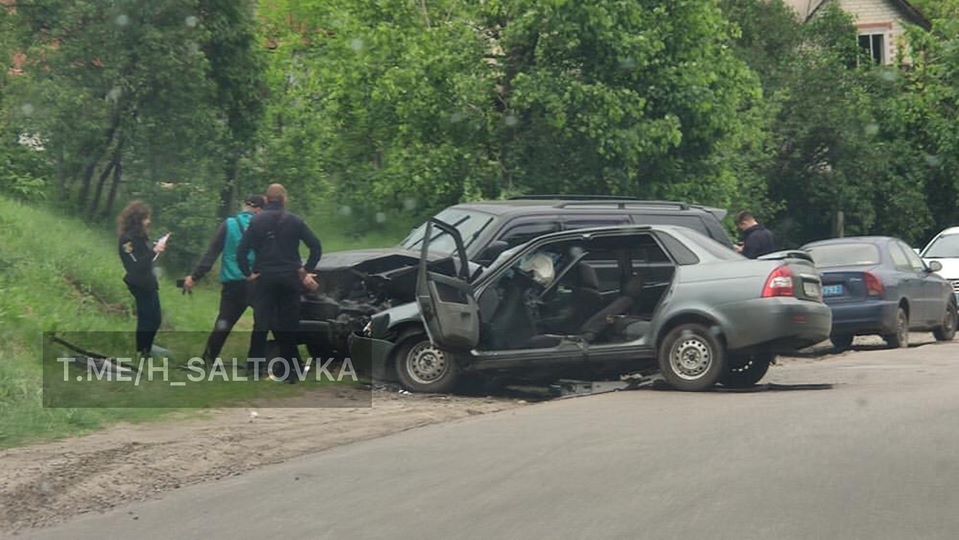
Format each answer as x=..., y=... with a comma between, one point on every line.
x=469, y=223
x=848, y=254
x=943, y=247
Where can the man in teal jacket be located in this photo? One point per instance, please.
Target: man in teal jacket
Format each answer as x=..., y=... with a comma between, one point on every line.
x=234, y=296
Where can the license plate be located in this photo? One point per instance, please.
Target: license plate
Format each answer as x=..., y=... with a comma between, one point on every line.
x=811, y=289
x=832, y=290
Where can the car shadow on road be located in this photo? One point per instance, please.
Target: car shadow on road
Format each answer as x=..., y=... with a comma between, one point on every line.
x=767, y=387
x=822, y=352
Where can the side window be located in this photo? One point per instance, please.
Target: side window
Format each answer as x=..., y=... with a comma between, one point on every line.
x=691, y=221
x=899, y=258
x=585, y=222
x=524, y=232
x=914, y=261
x=680, y=252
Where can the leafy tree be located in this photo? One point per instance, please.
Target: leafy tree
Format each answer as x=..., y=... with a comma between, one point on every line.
x=391, y=101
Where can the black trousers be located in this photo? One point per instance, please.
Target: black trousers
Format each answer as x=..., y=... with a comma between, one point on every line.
x=148, y=316
x=276, y=309
x=234, y=299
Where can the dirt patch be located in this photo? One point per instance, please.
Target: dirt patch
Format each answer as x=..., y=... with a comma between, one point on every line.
x=45, y=484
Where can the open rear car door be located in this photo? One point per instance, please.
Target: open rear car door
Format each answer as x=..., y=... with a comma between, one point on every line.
x=446, y=303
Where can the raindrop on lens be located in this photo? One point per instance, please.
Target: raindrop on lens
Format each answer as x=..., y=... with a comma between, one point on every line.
x=114, y=93
x=122, y=20
x=345, y=210
x=871, y=129
x=191, y=21
x=409, y=203
x=380, y=217
x=27, y=109
x=511, y=120
x=356, y=44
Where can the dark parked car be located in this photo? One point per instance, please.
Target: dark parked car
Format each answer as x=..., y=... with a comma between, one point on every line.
x=356, y=284
x=600, y=301
x=878, y=285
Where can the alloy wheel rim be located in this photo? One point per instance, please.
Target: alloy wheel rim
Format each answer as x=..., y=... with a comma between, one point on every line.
x=425, y=364
x=690, y=358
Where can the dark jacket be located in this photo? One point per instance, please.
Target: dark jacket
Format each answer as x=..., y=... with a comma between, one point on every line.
x=136, y=253
x=758, y=241
x=274, y=236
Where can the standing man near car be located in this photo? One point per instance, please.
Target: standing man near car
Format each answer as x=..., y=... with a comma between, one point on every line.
x=234, y=296
x=757, y=240
x=279, y=277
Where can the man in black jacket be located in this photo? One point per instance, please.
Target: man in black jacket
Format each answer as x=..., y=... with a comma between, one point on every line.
x=279, y=276
x=757, y=240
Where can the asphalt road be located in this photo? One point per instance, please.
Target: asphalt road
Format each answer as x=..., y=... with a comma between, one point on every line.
x=872, y=457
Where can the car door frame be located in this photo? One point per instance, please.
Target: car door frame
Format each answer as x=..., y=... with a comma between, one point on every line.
x=644, y=347
x=432, y=307
x=927, y=289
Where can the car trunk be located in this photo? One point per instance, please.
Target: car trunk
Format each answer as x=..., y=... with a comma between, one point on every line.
x=807, y=284
x=846, y=284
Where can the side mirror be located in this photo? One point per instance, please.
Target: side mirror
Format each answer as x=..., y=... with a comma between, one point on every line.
x=492, y=251
x=934, y=266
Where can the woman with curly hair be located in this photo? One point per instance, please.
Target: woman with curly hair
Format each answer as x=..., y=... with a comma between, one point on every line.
x=137, y=254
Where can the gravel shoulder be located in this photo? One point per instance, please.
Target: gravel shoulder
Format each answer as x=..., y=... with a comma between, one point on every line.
x=45, y=484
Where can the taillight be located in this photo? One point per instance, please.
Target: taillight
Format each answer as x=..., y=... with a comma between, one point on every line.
x=779, y=283
x=874, y=286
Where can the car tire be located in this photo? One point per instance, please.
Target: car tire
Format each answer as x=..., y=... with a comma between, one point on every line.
x=423, y=367
x=947, y=331
x=841, y=342
x=745, y=371
x=900, y=339
x=691, y=358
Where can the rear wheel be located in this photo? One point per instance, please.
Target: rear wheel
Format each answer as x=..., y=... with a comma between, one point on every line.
x=691, y=358
x=423, y=367
x=947, y=331
x=746, y=370
x=899, y=340
x=841, y=342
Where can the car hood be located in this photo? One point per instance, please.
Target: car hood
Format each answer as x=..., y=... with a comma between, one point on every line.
x=950, y=267
x=348, y=259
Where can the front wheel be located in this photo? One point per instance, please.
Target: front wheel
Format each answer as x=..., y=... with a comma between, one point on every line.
x=691, y=358
x=947, y=331
x=423, y=367
x=899, y=340
x=745, y=371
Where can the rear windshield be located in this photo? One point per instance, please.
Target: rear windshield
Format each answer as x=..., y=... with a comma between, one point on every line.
x=943, y=247
x=844, y=255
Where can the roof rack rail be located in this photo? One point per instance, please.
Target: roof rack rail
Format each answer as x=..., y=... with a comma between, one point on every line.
x=571, y=198
x=623, y=203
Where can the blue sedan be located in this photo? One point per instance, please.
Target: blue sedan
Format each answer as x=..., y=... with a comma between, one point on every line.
x=878, y=285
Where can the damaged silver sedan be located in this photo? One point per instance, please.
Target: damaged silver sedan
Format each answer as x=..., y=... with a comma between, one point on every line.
x=595, y=302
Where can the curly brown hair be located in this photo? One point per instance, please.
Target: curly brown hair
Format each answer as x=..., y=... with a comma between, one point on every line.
x=130, y=220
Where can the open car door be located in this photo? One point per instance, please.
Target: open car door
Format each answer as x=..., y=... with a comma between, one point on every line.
x=446, y=303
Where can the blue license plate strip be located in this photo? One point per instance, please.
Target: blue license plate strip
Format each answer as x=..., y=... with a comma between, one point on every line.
x=832, y=290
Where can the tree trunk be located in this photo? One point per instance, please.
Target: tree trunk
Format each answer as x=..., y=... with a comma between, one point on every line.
x=95, y=202
x=114, y=159
x=111, y=199
x=228, y=193
x=91, y=166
